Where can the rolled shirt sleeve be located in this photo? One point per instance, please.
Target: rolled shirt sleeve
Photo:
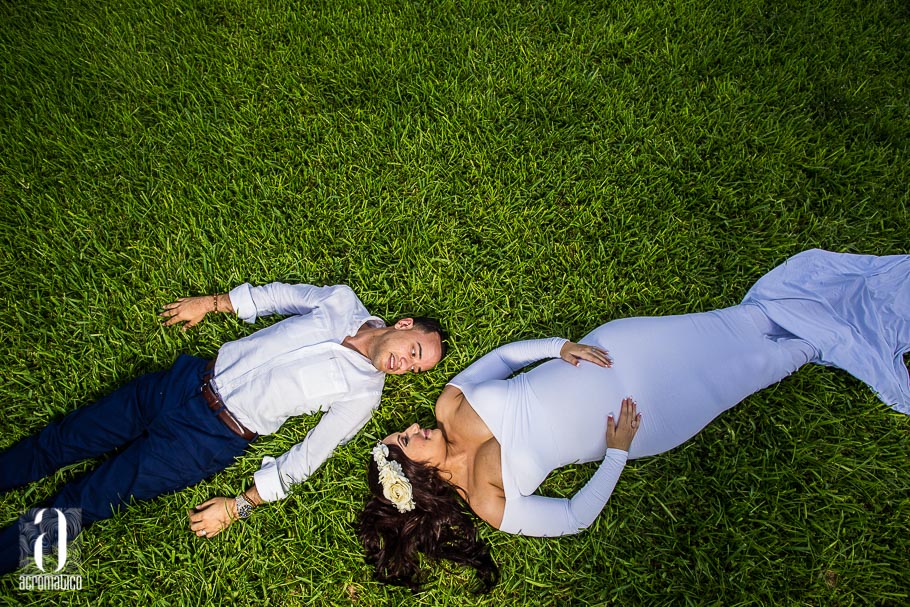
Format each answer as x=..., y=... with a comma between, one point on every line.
x=251, y=302
x=338, y=425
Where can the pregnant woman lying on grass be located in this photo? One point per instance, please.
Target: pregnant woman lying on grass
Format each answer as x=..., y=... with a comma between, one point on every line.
x=498, y=438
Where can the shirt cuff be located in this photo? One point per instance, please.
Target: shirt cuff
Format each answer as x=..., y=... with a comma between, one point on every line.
x=268, y=481
x=242, y=302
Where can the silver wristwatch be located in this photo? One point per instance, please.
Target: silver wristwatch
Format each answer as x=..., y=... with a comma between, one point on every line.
x=244, y=507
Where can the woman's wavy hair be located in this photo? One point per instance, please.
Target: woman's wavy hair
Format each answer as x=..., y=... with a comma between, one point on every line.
x=439, y=526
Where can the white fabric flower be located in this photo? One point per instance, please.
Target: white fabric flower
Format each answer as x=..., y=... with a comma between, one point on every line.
x=400, y=493
x=395, y=485
x=380, y=452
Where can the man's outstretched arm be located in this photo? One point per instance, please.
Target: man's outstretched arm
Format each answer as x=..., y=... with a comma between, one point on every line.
x=249, y=302
x=274, y=480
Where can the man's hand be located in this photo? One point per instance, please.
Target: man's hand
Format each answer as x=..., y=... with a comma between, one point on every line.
x=213, y=516
x=190, y=310
x=621, y=432
x=572, y=353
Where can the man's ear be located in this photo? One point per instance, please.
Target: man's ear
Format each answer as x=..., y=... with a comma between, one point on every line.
x=404, y=323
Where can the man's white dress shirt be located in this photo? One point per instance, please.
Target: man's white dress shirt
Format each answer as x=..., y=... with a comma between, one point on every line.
x=298, y=366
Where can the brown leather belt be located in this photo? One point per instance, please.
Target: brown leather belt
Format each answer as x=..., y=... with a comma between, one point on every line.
x=217, y=405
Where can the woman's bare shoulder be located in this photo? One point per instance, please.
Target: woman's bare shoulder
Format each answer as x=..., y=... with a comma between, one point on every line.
x=488, y=499
x=449, y=401
x=489, y=503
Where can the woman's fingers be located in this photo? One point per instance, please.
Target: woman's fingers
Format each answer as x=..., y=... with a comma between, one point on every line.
x=604, y=355
x=593, y=354
x=573, y=353
x=631, y=418
x=621, y=432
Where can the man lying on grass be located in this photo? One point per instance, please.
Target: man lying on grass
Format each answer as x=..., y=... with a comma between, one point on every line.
x=179, y=426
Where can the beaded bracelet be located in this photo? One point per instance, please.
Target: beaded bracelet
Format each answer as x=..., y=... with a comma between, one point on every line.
x=215, y=301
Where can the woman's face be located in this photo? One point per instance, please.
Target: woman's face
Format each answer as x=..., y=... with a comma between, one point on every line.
x=421, y=445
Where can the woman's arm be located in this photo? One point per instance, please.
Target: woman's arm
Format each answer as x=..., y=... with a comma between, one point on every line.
x=548, y=517
x=506, y=360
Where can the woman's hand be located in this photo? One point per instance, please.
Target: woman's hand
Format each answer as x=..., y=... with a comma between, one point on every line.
x=213, y=516
x=572, y=353
x=191, y=310
x=621, y=432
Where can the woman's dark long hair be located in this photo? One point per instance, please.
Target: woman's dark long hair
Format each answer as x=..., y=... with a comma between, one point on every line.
x=439, y=526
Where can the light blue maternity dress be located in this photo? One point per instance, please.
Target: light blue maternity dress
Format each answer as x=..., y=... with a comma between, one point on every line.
x=849, y=311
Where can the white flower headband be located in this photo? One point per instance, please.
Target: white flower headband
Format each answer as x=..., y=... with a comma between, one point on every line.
x=395, y=485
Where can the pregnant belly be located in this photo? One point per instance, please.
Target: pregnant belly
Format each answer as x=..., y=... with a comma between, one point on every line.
x=682, y=371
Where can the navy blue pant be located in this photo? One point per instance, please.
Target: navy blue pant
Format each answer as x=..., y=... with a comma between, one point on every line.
x=169, y=437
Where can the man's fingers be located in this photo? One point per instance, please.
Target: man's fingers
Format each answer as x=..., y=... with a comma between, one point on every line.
x=197, y=514
x=206, y=503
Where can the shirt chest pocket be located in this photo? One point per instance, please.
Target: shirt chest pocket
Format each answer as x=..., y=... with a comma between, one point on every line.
x=321, y=381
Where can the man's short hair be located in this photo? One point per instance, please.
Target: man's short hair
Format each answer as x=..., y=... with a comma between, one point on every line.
x=425, y=324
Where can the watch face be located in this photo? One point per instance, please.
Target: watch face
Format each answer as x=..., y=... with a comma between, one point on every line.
x=244, y=507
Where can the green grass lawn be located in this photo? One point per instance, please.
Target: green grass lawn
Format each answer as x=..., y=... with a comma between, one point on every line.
x=520, y=170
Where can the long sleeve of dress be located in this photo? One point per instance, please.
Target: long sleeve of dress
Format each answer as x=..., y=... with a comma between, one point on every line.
x=506, y=360
x=539, y=516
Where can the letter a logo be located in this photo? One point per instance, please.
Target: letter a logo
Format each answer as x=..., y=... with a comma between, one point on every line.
x=61, y=540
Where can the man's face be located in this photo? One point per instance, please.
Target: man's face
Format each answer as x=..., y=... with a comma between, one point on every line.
x=402, y=348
